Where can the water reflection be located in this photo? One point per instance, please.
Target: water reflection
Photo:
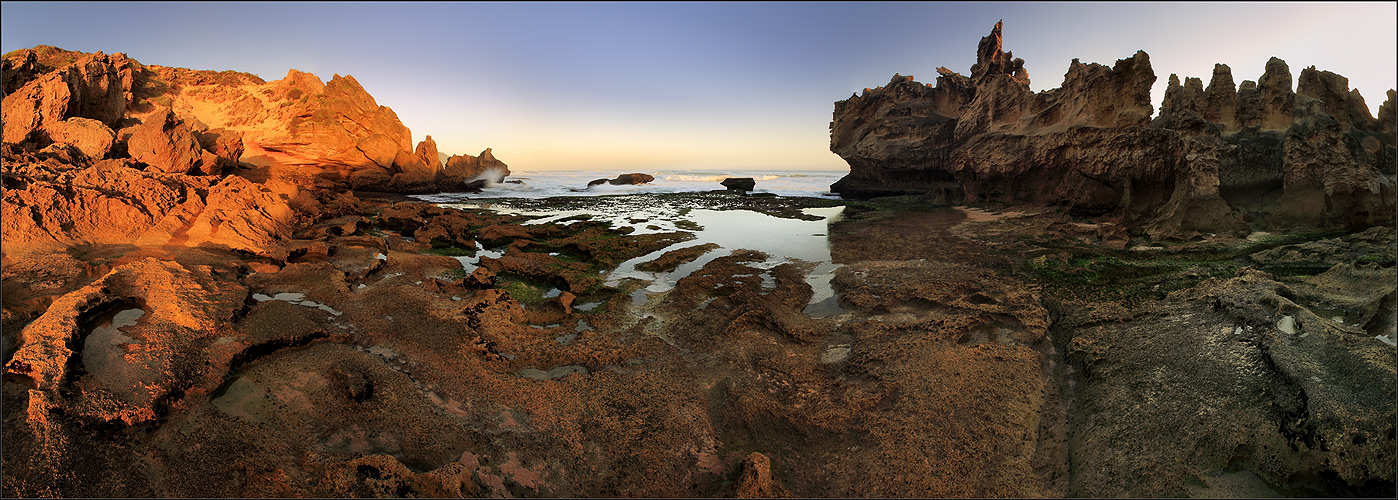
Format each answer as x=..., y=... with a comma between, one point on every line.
x=783, y=240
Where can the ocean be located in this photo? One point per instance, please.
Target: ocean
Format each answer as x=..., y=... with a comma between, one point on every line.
x=548, y=184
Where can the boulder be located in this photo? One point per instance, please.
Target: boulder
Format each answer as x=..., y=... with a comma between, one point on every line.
x=165, y=144
x=739, y=183
x=370, y=178
x=413, y=175
x=481, y=278
x=90, y=136
x=625, y=179
x=225, y=145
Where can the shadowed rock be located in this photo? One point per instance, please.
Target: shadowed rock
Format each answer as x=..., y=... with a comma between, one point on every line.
x=1215, y=160
x=739, y=183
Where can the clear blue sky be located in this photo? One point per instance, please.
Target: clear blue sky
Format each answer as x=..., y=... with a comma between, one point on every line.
x=691, y=85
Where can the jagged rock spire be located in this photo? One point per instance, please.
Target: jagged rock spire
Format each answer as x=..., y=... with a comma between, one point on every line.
x=991, y=60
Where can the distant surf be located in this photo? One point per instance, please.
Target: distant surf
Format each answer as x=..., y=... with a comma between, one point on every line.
x=548, y=184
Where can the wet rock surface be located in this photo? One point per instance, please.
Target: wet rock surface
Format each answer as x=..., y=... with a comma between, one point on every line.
x=1019, y=347
x=191, y=333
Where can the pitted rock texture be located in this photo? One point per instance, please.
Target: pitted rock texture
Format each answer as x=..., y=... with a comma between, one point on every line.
x=1216, y=159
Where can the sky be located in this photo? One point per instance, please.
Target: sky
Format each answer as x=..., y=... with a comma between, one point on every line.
x=692, y=85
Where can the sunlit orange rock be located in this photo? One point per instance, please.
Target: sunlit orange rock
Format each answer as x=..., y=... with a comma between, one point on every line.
x=465, y=168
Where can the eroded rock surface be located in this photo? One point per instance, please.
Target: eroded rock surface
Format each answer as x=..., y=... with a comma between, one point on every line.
x=1215, y=159
x=176, y=120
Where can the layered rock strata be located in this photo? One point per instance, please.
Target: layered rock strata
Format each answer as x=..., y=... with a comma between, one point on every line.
x=1216, y=159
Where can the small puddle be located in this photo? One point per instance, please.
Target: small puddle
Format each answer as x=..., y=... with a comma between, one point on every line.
x=104, y=356
x=242, y=399
x=470, y=263
x=639, y=297
x=295, y=298
x=1337, y=315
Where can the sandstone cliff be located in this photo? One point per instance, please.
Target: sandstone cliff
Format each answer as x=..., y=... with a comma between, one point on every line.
x=1215, y=159
x=177, y=120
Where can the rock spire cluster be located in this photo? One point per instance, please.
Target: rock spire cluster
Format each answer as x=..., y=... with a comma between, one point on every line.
x=1217, y=158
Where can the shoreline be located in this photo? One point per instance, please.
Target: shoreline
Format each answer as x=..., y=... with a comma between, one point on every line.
x=1079, y=302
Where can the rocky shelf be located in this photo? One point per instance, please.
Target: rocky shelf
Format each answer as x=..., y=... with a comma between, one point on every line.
x=214, y=287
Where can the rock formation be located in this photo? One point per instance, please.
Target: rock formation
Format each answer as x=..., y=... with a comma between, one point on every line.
x=95, y=86
x=739, y=183
x=171, y=329
x=114, y=203
x=165, y=144
x=466, y=168
x=427, y=152
x=1216, y=159
x=93, y=138
x=623, y=180
x=205, y=122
